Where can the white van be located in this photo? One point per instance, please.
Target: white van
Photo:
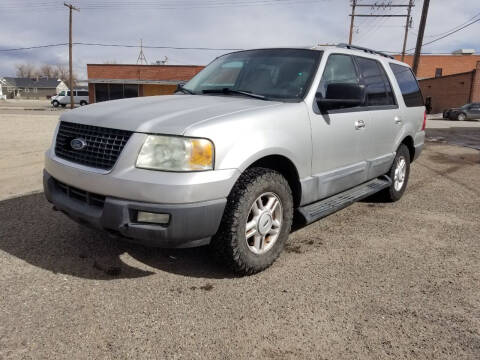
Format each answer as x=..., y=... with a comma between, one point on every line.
x=80, y=97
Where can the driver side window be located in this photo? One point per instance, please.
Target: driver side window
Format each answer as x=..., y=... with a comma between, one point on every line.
x=339, y=69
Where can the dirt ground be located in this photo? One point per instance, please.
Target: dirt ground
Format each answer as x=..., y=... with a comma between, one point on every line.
x=373, y=281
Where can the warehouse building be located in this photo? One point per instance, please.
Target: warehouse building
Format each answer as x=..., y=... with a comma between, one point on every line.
x=118, y=81
x=448, y=80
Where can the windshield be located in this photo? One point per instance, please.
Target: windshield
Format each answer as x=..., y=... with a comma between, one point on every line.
x=62, y=93
x=280, y=74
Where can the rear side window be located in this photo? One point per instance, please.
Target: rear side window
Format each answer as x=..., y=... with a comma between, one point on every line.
x=82, y=93
x=408, y=85
x=379, y=91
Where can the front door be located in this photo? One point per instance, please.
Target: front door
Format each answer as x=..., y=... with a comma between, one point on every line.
x=338, y=160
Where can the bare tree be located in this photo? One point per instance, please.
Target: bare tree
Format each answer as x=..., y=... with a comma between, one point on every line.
x=25, y=70
x=47, y=71
x=61, y=72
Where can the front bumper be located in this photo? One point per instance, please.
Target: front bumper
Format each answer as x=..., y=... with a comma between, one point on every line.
x=191, y=224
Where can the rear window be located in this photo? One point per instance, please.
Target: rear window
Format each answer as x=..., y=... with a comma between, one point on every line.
x=408, y=85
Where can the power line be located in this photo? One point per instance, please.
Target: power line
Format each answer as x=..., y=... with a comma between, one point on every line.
x=122, y=46
x=450, y=33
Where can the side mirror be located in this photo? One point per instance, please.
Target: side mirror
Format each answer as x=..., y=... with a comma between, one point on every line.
x=341, y=95
x=179, y=86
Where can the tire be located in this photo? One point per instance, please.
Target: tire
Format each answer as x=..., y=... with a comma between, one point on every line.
x=55, y=103
x=247, y=255
x=461, y=117
x=83, y=103
x=396, y=190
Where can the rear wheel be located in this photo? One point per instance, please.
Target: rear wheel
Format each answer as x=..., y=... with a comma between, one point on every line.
x=256, y=222
x=399, y=173
x=83, y=103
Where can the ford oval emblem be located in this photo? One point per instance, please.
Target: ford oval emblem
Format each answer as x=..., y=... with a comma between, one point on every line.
x=78, y=144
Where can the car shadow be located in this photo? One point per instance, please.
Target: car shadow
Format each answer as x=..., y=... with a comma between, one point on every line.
x=31, y=231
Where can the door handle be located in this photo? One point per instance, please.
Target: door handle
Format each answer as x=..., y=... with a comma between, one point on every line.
x=397, y=120
x=359, y=124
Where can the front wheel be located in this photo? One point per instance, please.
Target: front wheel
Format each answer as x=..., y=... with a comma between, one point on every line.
x=399, y=173
x=55, y=103
x=256, y=222
x=461, y=117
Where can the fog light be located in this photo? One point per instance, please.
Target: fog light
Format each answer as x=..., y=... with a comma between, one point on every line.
x=153, y=218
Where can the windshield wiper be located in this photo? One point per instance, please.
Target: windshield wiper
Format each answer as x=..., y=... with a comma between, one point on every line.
x=227, y=91
x=185, y=91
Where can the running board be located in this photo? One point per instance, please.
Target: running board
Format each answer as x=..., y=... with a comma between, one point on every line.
x=325, y=207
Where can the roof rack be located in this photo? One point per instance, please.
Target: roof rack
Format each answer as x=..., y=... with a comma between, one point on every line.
x=367, y=50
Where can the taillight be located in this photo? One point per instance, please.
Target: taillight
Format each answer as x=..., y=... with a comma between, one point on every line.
x=424, y=120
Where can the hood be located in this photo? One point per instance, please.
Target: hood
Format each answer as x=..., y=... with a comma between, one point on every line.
x=168, y=114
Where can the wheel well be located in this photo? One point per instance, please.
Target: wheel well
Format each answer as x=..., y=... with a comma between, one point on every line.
x=408, y=141
x=285, y=167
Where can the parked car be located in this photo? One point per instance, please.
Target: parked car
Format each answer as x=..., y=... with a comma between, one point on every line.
x=466, y=112
x=80, y=97
x=227, y=160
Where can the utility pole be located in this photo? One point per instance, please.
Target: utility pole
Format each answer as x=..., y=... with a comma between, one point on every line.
x=379, y=5
x=70, y=63
x=354, y=4
x=407, y=25
x=421, y=31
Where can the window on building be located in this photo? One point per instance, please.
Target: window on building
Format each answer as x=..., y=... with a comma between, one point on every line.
x=379, y=91
x=101, y=92
x=130, y=90
x=408, y=85
x=105, y=92
x=438, y=72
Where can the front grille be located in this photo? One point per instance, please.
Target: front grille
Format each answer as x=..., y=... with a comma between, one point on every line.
x=81, y=195
x=103, y=145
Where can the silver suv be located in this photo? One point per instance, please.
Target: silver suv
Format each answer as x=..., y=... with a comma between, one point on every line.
x=255, y=137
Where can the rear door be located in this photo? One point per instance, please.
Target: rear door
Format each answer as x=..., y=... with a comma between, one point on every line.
x=382, y=120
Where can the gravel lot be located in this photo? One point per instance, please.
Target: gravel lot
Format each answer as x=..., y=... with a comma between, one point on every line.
x=373, y=281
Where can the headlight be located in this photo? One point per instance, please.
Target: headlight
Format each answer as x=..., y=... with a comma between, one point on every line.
x=175, y=153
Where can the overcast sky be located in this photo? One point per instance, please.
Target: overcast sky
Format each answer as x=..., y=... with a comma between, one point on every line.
x=215, y=24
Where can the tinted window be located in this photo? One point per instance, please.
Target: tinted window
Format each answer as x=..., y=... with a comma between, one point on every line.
x=339, y=69
x=377, y=87
x=82, y=93
x=101, y=92
x=130, y=90
x=408, y=85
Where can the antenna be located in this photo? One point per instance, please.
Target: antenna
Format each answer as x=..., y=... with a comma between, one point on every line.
x=141, y=57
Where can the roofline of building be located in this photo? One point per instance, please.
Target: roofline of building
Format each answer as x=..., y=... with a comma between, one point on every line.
x=135, y=81
x=449, y=75
x=146, y=65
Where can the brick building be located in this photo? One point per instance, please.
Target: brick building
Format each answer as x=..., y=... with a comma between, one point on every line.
x=117, y=81
x=430, y=66
x=449, y=80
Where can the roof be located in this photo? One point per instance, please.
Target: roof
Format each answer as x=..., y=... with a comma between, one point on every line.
x=141, y=73
x=46, y=83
